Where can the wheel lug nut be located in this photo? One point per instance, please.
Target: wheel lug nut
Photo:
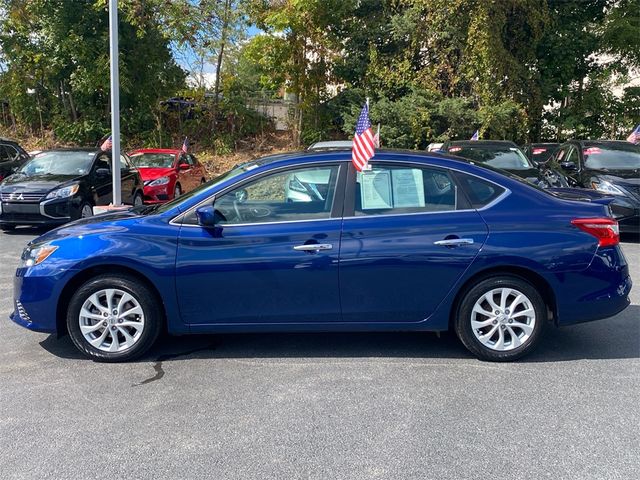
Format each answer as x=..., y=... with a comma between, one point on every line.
x=113, y=327
x=503, y=326
x=120, y=320
x=105, y=314
x=104, y=324
x=497, y=312
x=115, y=311
x=495, y=322
x=506, y=312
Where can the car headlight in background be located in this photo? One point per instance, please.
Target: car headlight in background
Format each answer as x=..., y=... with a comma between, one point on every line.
x=159, y=181
x=64, y=192
x=606, y=187
x=35, y=255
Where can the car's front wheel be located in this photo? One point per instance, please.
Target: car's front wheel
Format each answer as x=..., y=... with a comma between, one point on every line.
x=114, y=318
x=501, y=318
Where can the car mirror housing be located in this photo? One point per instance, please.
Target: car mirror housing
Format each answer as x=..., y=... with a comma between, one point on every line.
x=569, y=165
x=184, y=166
x=206, y=216
x=103, y=172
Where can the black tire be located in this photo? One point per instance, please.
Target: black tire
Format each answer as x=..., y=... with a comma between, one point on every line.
x=148, y=301
x=82, y=207
x=138, y=199
x=177, y=191
x=7, y=228
x=464, y=330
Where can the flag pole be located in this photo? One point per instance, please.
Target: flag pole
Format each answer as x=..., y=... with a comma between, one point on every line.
x=115, y=102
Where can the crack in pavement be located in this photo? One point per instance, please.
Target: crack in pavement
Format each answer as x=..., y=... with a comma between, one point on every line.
x=157, y=366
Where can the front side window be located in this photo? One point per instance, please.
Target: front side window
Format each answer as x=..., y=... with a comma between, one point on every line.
x=294, y=195
x=8, y=153
x=404, y=189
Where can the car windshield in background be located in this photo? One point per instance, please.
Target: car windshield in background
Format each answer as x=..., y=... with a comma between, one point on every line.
x=542, y=153
x=608, y=157
x=59, y=163
x=509, y=158
x=153, y=160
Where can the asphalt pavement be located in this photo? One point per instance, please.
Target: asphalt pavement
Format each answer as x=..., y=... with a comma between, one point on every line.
x=321, y=406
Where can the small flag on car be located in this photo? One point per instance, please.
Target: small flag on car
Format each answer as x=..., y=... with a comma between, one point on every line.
x=107, y=144
x=634, y=137
x=363, y=142
x=185, y=145
x=476, y=136
x=376, y=138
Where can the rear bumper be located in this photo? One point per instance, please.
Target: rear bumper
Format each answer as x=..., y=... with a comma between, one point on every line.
x=601, y=291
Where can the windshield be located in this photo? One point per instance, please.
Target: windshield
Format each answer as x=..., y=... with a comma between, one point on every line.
x=59, y=163
x=509, y=158
x=541, y=153
x=159, y=208
x=614, y=157
x=153, y=160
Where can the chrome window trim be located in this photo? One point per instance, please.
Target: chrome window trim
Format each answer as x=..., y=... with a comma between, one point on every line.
x=491, y=204
x=174, y=221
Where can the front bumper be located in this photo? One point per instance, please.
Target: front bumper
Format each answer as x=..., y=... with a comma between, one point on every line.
x=35, y=300
x=157, y=194
x=47, y=212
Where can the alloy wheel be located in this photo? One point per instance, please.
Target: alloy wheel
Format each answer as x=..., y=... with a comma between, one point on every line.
x=503, y=319
x=111, y=320
x=87, y=211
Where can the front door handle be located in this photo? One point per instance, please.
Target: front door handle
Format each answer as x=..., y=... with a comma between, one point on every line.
x=454, y=242
x=313, y=247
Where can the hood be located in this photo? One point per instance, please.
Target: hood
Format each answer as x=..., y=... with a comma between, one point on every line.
x=628, y=176
x=19, y=182
x=619, y=177
x=151, y=173
x=88, y=226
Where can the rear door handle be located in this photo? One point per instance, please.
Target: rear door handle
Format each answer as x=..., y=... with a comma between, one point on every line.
x=454, y=242
x=313, y=247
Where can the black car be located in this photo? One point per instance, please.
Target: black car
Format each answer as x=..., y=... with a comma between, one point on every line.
x=12, y=157
x=540, y=152
x=58, y=186
x=608, y=166
x=507, y=156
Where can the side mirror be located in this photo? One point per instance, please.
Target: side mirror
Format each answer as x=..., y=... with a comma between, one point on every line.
x=568, y=165
x=184, y=166
x=103, y=173
x=206, y=216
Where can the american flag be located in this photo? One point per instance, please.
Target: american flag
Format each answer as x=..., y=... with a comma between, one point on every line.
x=634, y=137
x=476, y=136
x=363, y=142
x=185, y=145
x=107, y=144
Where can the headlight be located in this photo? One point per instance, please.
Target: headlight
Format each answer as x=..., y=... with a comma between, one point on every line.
x=606, y=187
x=159, y=181
x=65, y=192
x=36, y=255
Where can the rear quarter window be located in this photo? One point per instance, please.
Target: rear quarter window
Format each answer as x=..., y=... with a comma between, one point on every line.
x=480, y=192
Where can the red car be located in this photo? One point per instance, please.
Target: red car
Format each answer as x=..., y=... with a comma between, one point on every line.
x=167, y=173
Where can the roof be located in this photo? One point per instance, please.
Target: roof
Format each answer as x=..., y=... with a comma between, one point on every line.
x=482, y=143
x=600, y=142
x=332, y=144
x=172, y=151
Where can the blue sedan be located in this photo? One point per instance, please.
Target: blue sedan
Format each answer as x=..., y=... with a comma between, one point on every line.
x=303, y=242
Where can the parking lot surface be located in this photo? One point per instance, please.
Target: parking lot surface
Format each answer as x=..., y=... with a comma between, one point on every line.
x=321, y=406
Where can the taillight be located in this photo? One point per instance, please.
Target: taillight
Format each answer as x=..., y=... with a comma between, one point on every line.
x=604, y=229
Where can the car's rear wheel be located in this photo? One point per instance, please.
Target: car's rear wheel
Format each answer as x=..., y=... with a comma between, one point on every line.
x=501, y=318
x=138, y=200
x=114, y=318
x=177, y=191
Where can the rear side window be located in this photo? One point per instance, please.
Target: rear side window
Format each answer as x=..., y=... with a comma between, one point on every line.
x=394, y=189
x=480, y=192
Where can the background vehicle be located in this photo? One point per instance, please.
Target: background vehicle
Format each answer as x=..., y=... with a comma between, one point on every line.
x=12, y=157
x=608, y=166
x=167, y=173
x=58, y=186
x=331, y=145
x=418, y=243
x=540, y=152
x=507, y=156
